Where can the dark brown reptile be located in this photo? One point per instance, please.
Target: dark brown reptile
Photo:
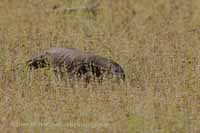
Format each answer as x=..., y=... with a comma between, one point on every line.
x=76, y=63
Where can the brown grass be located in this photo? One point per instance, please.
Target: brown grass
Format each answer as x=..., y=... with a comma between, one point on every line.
x=156, y=41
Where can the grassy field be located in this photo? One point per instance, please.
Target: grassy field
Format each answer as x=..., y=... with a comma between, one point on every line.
x=157, y=42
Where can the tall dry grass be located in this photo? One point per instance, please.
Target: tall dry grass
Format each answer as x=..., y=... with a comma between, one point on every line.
x=156, y=41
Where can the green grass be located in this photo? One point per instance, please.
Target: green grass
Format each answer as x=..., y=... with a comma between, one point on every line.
x=156, y=42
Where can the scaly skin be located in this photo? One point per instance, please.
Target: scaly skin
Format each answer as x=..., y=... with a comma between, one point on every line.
x=76, y=63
